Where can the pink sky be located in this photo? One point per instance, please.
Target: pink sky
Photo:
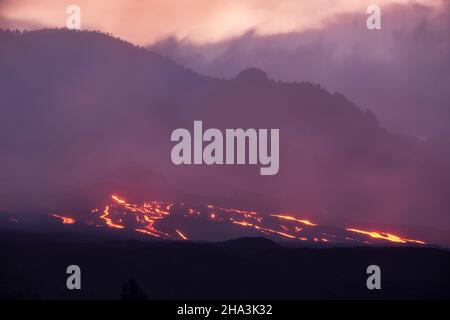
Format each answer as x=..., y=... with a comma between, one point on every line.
x=144, y=22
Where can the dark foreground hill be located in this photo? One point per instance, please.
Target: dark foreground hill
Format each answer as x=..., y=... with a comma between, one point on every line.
x=34, y=267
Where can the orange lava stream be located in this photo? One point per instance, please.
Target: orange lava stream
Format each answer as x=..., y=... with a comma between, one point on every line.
x=145, y=216
x=181, y=235
x=65, y=220
x=246, y=224
x=211, y=206
x=149, y=218
x=149, y=232
x=305, y=222
x=118, y=200
x=385, y=236
x=108, y=221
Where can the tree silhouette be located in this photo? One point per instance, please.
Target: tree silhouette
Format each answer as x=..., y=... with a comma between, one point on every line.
x=132, y=291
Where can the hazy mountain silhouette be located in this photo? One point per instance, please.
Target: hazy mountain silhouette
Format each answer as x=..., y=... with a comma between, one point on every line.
x=401, y=72
x=84, y=114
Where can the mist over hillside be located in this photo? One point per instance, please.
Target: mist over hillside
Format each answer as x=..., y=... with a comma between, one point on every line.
x=400, y=72
x=83, y=114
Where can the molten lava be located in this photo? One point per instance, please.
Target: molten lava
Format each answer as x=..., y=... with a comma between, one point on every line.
x=108, y=221
x=162, y=220
x=385, y=236
x=305, y=222
x=65, y=220
x=181, y=235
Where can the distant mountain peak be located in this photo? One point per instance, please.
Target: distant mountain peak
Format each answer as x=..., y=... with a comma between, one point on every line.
x=250, y=75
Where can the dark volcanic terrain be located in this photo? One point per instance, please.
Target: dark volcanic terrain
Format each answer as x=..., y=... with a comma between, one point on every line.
x=34, y=266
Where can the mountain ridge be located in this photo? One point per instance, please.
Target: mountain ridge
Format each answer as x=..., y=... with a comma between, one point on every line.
x=79, y=106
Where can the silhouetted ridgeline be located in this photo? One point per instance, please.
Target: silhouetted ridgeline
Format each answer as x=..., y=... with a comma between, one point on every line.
x=83, y=115
x=34, y=267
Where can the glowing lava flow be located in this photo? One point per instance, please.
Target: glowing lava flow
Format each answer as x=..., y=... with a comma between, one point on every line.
x=165, y=220
x=385, y=236
x=181, y=235
x=147, y=218
x=229, y=210
x=118, y=200
x=265, y=230
x=108, y=221
x=65, y=220
x=305, y=222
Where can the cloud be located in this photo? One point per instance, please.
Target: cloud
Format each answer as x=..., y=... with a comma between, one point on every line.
x=144, y=22
x=400, y=72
